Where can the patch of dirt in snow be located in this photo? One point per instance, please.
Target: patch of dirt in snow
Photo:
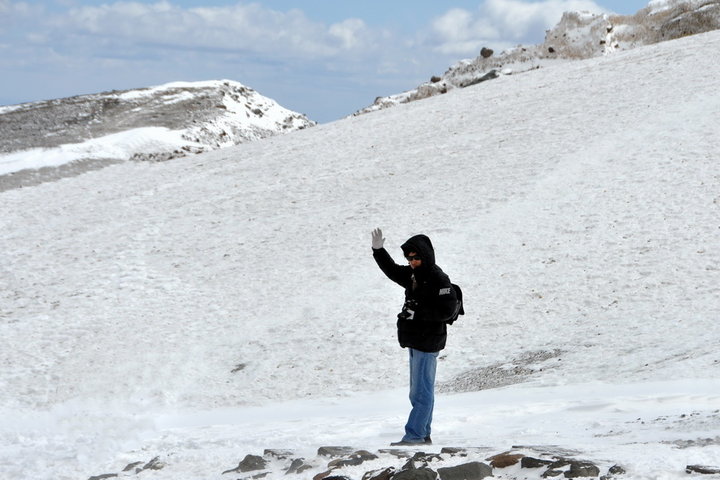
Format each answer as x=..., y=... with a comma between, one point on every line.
x=499, y=374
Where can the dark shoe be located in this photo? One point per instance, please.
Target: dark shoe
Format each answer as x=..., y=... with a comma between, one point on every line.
x=403, y=443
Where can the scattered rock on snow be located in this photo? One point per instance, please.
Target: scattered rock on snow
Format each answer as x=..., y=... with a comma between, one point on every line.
x=279, y=454
x=467, y=471
x=704, y=469
x=383, y=474
x=577, y=35
x=505, y=459
x=423, y=473
x=531, y=462
x=335, y=451
x=571, y=469
x=354, y=459
x=250, y=463
x=419, y=465
x=488, y=76
x=298, y=465
x=154, y=464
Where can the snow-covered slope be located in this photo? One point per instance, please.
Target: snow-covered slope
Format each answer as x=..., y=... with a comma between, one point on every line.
x=204, y=308
x=578, y=35
x=157, y=123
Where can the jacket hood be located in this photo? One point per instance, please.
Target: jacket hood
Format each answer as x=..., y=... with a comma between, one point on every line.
x=421, y=245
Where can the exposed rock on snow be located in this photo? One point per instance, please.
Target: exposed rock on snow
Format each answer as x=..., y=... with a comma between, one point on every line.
x=449, y=463
x=578, y=35
x=157, y=123
x=703, y=469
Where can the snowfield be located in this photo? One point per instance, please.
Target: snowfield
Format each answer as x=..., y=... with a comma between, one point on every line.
x=209, y=307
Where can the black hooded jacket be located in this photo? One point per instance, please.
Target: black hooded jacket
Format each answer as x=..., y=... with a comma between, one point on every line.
x=429, y=297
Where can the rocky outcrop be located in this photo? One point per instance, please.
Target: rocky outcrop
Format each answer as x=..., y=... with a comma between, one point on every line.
x=207, y=115
x=578, y=35
x=89, y=132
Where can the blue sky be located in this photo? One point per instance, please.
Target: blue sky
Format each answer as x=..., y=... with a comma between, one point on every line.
x=326, y=59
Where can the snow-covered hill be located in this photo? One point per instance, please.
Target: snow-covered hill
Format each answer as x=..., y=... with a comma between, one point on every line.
x=201, y=309
x=157, y=123
x=578, y=35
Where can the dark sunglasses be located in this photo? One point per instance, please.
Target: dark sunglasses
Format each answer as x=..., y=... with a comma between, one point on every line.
x=414, y=257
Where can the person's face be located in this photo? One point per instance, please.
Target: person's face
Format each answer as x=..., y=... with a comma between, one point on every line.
x=413, y=259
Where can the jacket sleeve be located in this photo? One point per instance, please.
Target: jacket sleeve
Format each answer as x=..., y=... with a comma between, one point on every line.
x=397, y=273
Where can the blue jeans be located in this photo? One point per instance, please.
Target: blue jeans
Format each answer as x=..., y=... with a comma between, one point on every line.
x=422, y=395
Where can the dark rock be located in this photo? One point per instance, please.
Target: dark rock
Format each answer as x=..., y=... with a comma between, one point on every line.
x=298, y=465
x=616, y=470
x=131, y=466
x=582, y=469
x=486, y=52
x=454, y=451
x=353, y=460
x=468, y=471
x=426, y=457
x=551, y=50
x=154, y=464
x=395, y=452
x=335, y=451
x=365, y=455
x=531, y=462
x=554, y=468
x=103, y=476
x=279, y=454
x=552, y=473
x=488, y=76
x=322, y=475
x=344, y=462
x=420, y=460
x=435, y=79
x=385, y=474
x=416, y=474
x=250, y=463
x=704, y=469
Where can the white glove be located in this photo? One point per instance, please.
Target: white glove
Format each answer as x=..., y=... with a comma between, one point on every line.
x=377, y=239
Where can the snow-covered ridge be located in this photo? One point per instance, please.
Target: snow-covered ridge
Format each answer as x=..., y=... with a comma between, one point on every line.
x=156, y=123
x=578, y=35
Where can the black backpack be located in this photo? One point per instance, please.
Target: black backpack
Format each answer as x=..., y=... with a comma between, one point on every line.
x=459, y=310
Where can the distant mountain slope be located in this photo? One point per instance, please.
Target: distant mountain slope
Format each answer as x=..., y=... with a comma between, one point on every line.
x=578, y=35
x=167, y=121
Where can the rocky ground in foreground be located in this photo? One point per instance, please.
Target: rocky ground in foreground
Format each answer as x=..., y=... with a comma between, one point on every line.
x=347, y=463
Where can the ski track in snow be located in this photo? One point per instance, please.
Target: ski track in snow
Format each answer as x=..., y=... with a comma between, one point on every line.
x=576, y=205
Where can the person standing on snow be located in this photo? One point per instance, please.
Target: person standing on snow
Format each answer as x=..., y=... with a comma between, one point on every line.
x=430, y=301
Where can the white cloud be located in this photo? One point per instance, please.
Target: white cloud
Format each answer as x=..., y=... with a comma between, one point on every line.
x=351, y=33
x=498, y=22
x=248, y=28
